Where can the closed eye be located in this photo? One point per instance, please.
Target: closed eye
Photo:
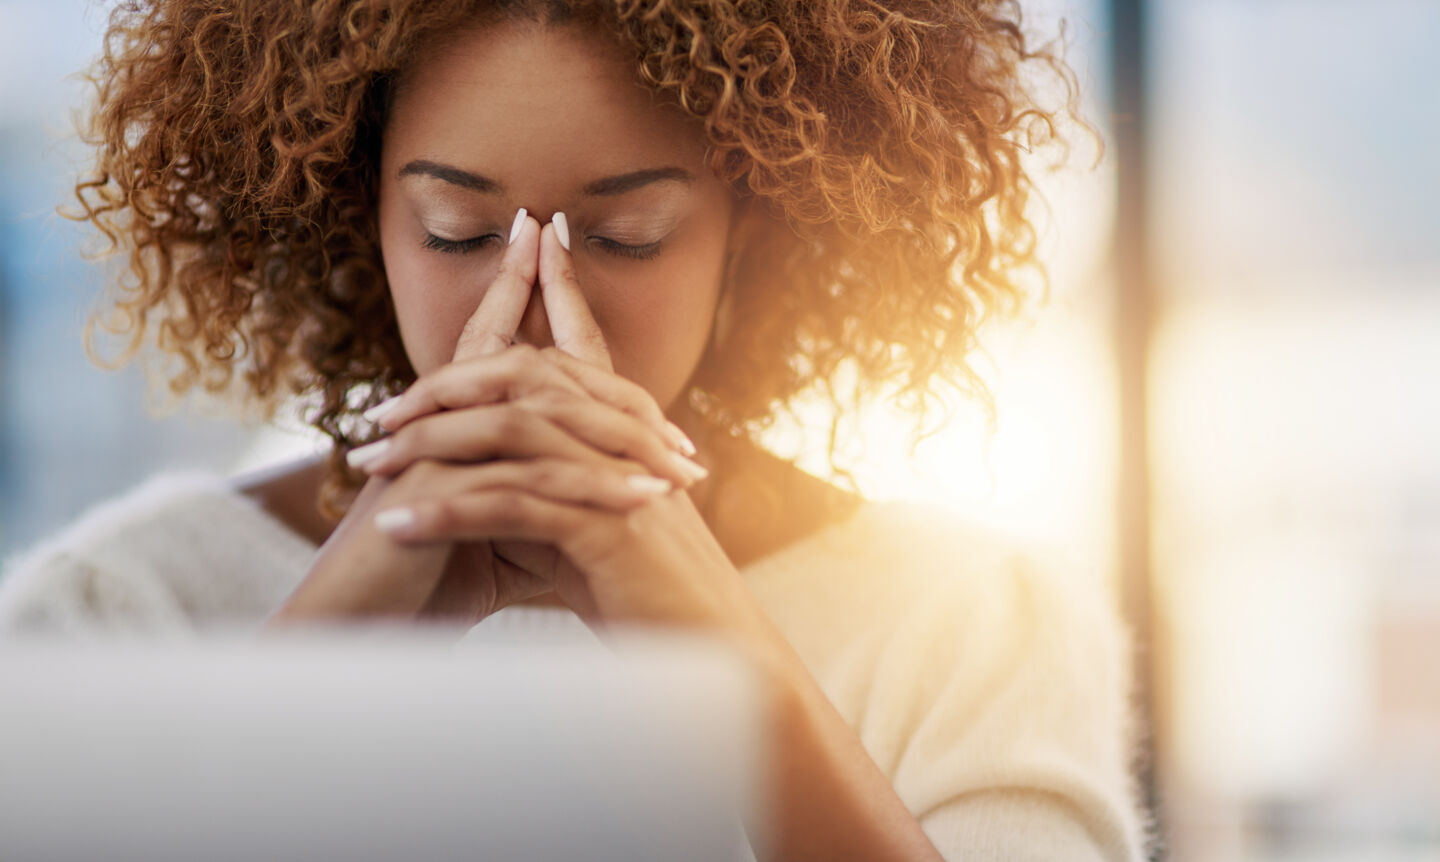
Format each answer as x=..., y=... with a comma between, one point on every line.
x=610, y=246
x=457, y=246
x=638, y=252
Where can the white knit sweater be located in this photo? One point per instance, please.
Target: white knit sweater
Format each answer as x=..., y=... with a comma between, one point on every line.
x=991, y=691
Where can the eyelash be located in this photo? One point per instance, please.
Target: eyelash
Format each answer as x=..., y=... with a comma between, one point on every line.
x=462, y=246
x=456, y=246
x=638, y=252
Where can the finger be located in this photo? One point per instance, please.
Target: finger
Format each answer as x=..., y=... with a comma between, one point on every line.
x=491, y=328
x=506, y=376
x=565, y=579
x=546, y=423
x=481, y=433
x=510, y=513
x=617, y=433
x=514, y=375
x=557, y=479
x=469, y=595
x=619, y=392
x=571, y=324
x=393, y=581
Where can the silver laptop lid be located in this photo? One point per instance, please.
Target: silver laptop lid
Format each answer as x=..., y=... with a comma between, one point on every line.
x=377, y=745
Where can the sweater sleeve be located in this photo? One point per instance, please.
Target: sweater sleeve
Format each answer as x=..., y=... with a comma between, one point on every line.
x=1001, y=714
x=58, y=593
x=180, y=552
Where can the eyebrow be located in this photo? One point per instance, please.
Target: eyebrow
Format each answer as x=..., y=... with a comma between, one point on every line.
x=452, y=175
x=605, y=187
x=619, y=185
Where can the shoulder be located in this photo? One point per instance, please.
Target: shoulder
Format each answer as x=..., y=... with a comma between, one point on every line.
x=180, y=548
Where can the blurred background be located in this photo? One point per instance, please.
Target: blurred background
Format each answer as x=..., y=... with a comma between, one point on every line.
x=1225, y=413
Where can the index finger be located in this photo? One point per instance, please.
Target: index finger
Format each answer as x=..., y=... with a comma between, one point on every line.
x=571, y=324
x=491, y=328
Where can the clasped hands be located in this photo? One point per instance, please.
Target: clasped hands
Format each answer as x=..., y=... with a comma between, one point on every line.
x=513, y=471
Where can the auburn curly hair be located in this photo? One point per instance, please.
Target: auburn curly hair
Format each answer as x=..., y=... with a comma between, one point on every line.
x=238, y=141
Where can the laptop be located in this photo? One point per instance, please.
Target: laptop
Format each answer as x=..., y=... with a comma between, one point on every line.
x=378, y=744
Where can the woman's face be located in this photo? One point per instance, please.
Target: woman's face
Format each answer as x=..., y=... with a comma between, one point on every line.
x=550, y=118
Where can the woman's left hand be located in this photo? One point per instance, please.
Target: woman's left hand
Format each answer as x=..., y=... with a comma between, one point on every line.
x=656, y=563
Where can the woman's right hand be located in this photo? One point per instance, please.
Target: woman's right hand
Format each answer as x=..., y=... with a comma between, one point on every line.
x=360, y=572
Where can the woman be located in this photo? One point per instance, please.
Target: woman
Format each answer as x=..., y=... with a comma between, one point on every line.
x=594, y=247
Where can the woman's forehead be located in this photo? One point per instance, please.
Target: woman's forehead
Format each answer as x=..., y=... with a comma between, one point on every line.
x=521, y=94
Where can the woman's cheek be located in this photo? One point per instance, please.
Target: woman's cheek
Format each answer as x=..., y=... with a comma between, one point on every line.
x=433, y=300
x=656, y=325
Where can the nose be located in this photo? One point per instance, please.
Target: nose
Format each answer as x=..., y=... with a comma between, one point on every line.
x=534, y=328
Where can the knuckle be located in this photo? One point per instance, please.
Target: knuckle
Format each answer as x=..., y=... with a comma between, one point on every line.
x=507, y=507
x=472, y=329
x=590, y=340
x=513, y=361
x=444, y=376
x=419, y=390
x=474, y=391
x=639, y=399
x=547, y=473
x=413, y=438
x=442, y=514
x=522, y=355
x=551, y=399
x=485, y=342
x=651, y=448
x=476, y=477
x=471, y=383
x=419, y=473
x=510, y=422
x=566, y=273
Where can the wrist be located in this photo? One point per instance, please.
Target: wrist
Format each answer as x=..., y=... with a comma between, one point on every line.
x=779, y=671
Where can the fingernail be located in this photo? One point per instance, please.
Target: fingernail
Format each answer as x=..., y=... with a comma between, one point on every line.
x=562, y=229
x=649, y=484
x=391, y=520
x=376, y=413
x=516, y=225
x=365, y=454
x=694, y=471
x=681, y=439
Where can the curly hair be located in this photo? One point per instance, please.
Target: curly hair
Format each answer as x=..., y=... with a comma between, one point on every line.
x=879, y=143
